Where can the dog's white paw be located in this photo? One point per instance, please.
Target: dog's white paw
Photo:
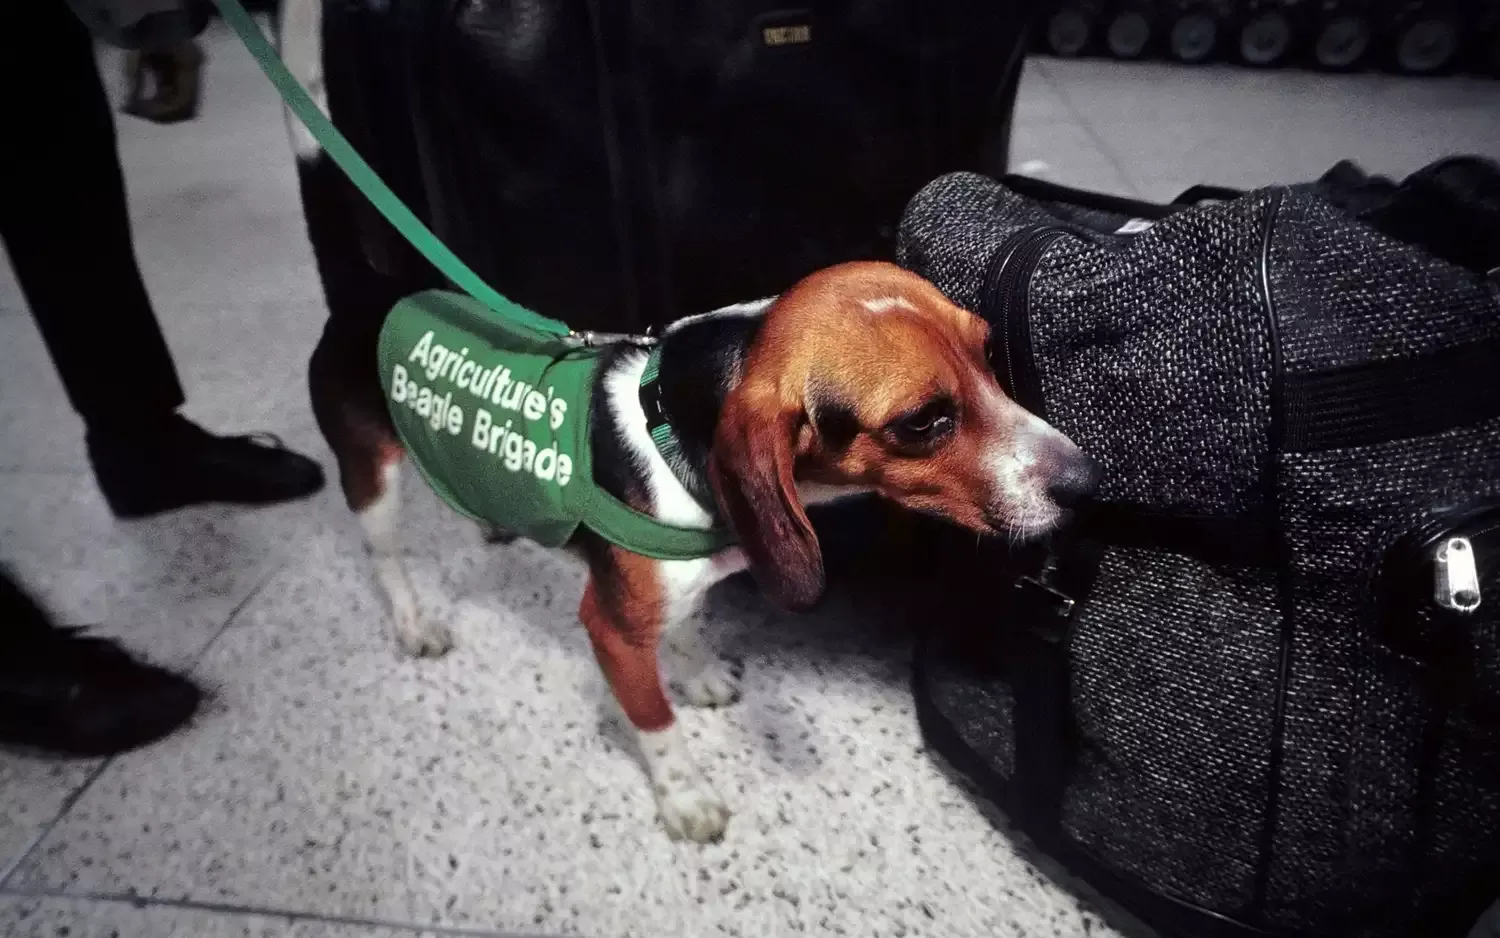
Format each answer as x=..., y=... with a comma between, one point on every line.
x=691, y=810
x=423, y=638
x=715, y=685
x=689, y=807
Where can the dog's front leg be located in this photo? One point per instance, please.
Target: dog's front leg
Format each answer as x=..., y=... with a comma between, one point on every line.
x=380, y=515
x=626, y=636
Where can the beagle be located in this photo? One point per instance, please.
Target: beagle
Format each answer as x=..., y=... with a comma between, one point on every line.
x=862, y=378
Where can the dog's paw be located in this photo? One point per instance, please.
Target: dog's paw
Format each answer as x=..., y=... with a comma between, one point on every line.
x=715, y=685
x=691, y=810
x=423, y=638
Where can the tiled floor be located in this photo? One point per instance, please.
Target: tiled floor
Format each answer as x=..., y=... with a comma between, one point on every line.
x=332, y=791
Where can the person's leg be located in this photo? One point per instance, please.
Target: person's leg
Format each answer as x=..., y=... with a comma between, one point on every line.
x=65, y=225
x=64, y=222
x=67, y=692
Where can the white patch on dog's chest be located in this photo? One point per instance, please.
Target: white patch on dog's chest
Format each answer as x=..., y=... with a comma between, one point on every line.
x=686, y=582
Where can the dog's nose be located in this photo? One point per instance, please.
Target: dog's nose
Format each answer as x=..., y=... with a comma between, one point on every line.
x=1077, y=479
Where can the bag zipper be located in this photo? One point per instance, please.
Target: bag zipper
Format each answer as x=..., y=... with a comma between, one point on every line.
x=1456, y=587
x=1443, y=564
x=1007, y=299
x=1462, y=554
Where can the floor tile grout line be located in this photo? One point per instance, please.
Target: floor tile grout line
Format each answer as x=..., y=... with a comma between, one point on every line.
x=36, y=842
x=242, y=909
x=1088, y=128
x=71, y=801
x=270, y=569
x=1040, y=61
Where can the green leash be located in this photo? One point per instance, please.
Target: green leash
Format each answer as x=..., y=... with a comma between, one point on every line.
x=374, y=188
x=606, y=515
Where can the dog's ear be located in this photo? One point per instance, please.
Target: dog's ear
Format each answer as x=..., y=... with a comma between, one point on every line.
x=750, y=469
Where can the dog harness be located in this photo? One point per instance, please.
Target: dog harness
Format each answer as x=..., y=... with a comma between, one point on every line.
x=497, y=421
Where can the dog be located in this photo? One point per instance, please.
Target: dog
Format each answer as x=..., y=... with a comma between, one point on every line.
x=860, y=379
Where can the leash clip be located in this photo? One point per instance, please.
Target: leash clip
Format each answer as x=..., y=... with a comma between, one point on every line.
x=587, y=339
x=1045, y=609
x=1054, y=600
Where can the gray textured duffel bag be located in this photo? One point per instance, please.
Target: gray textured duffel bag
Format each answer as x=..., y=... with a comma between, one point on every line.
x=1255, y=690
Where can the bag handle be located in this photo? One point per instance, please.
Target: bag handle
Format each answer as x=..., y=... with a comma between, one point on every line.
x=1045, y=191
x=1195, y=195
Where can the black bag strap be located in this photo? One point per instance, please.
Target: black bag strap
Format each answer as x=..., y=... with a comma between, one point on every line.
x=1044, y=191
x=1042, y=607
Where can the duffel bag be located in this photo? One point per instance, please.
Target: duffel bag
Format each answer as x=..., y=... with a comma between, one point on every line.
x=1255, y=690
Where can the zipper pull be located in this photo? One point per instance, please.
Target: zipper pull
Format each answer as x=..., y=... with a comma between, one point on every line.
x=1457, y=575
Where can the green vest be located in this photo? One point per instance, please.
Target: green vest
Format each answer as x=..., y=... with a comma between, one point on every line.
x=497, y=421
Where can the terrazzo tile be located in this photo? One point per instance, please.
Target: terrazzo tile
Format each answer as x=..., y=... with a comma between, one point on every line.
x=33, y=790
x=73, y=918
x=481, y=790
x=1169, y=127
x=238, y=384
x=1037, y=99
x=164, y=585
x=10, y=290
x=1065, y=153
x=38, y=429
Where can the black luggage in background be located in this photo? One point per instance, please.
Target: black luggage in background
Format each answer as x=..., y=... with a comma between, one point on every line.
x=617, y=165
x=1256, y=689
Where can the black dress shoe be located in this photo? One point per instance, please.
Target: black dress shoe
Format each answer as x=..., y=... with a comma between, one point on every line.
x=147, y=470
x=73, y=694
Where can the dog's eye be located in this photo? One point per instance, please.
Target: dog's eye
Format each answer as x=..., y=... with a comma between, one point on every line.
x=924, y=425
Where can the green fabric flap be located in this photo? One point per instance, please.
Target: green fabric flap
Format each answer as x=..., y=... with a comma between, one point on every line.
x=497, y=422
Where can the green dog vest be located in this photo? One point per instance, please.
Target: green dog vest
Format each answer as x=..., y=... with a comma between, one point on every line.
x=497, y=421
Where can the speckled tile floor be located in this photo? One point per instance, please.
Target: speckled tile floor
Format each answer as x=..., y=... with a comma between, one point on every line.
x=333, y=791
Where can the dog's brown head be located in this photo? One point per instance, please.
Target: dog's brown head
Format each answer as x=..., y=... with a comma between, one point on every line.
x=865, y=375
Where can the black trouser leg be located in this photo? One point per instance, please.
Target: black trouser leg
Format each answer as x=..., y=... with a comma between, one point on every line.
x=64, y=221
